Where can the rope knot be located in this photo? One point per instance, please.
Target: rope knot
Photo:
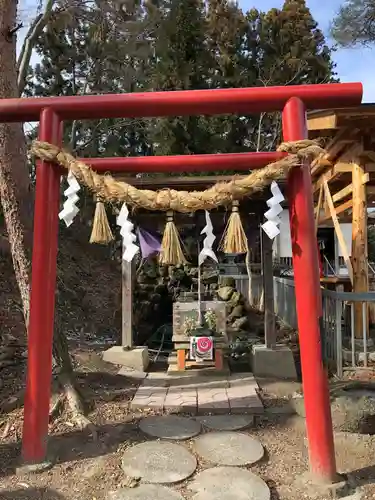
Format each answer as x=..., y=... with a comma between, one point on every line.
x=297, y=147
x=45, y=151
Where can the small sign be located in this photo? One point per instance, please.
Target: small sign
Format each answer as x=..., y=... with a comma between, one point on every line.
x=201, y=349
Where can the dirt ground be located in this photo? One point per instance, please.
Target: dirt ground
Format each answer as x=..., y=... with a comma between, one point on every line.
x=86, y=469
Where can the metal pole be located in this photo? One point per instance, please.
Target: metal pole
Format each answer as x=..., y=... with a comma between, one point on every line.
x=42, y=303
x=338, y=338
x=352, y=333
x=364, y=333
x=309, y=306
x=337, y=257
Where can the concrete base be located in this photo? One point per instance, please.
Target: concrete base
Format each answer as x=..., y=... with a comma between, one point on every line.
x=133, y=374
x=277, y=362
x=136, y=358
x=359, y=344
x=359, y=355
x=339, y=488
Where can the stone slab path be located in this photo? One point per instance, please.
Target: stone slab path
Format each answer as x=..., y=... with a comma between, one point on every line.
x=226, y=422
x=199, y=395
x=145, y=492
x=228, y=448
x=170, y=427
x=157, y=464
x=229, y=483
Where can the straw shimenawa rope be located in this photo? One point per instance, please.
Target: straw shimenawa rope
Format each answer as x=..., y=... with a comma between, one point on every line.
x=109, y=189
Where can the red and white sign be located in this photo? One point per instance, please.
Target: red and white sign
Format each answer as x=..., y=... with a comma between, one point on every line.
x=201, y=348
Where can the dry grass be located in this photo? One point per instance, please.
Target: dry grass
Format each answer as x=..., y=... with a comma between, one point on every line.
x=171, y=249
x=101, y=230
x=234, y=239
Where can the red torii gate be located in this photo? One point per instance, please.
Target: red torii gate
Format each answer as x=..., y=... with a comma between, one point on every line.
x=293, y=101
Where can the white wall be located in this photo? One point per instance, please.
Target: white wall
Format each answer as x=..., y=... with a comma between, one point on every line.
x=283, y=242
x=282, y=246
x=347, y=233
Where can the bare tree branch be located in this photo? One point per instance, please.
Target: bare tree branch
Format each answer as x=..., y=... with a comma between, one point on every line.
x=35, y=30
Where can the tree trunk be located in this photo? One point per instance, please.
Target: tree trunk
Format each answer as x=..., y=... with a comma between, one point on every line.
x=15, y=192
x=66, y=379
x=16, y=200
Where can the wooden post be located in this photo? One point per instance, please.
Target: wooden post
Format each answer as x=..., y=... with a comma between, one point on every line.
x=219, y=362
x=318, y=209
x=359, y=244
x=339, y=234
x=181, y=359
x=127, y=280
x=269, y=309
x=250, y=277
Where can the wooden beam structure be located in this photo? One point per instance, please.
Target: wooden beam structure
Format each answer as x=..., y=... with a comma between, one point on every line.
x=334, y=120
x=359, y=246
x=325, y=121
x=338, y=230
x=347, y=175
x=336, y=210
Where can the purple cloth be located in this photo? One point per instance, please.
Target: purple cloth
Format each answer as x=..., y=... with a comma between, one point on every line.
x=149, y=243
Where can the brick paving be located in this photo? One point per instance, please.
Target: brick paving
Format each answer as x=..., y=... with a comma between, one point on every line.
x=236, y=393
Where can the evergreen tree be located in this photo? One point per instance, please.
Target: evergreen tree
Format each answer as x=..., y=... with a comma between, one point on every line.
x=290, y=48
x=226, y=29
x=355, y=23
x=287, y=48
x=182, y=63
x=102, y=49
x=178, y=45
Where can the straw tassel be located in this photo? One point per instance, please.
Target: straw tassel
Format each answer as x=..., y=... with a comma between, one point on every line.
x=171, y=253
x=101, y=230
x=234, y=238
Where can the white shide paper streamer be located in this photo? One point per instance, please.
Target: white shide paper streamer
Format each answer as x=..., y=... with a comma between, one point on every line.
x=70, y=210
x=271, y=226
x=208, y=241
x=128, y=237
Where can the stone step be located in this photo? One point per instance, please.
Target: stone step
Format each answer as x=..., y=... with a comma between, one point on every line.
x=200, y=390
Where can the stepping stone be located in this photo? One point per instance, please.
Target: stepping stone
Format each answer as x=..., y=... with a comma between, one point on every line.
x=170, y=427
x=228, y=448
x=226, y=422
x=145, y=492
x=229, y=483
x=159, y=462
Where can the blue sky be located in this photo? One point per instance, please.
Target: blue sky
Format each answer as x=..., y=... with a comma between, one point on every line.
x=353, y=65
